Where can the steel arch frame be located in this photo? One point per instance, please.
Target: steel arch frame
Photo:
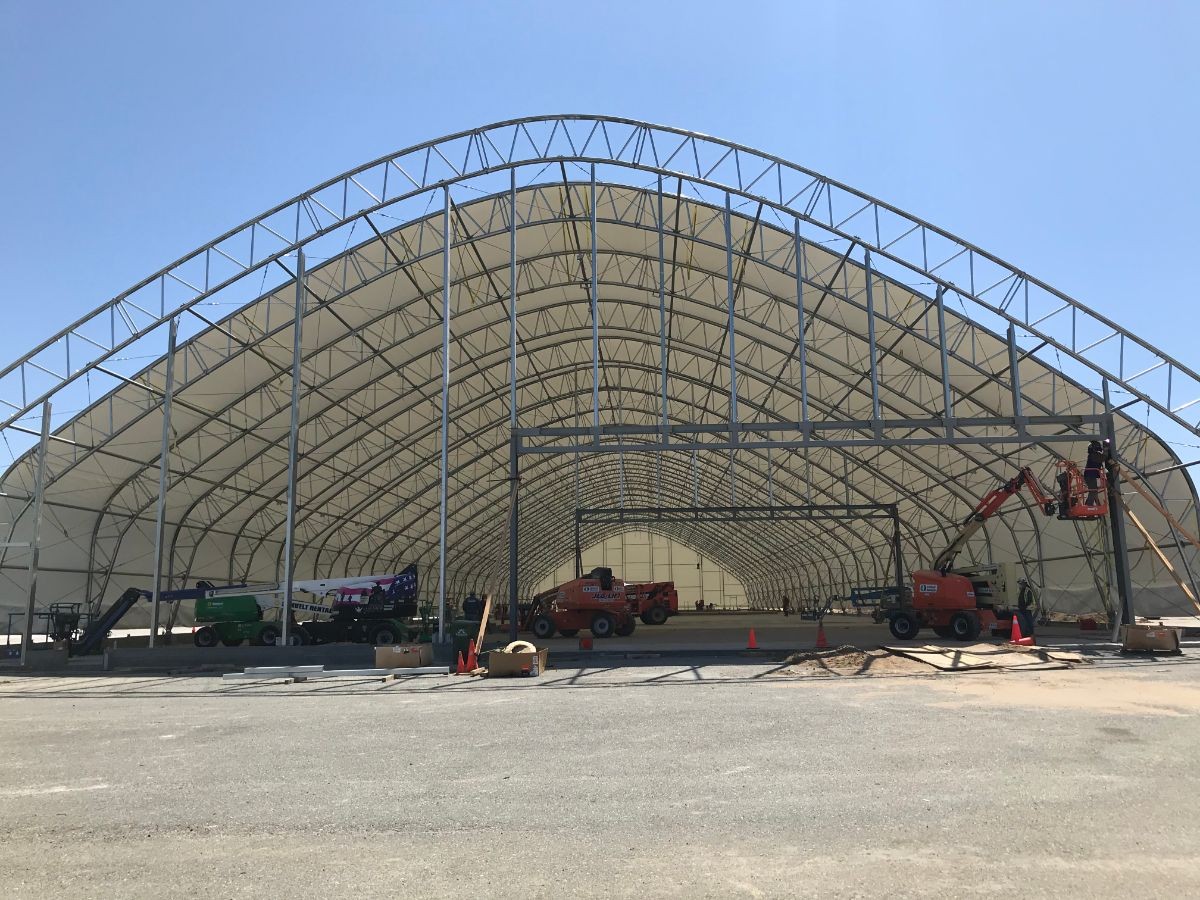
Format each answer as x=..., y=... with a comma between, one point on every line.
x=814, y=189
x=823, y=187
x=826, y=288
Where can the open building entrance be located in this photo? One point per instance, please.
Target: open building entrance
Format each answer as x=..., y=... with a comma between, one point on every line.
x=802, y=577
x=644, y=554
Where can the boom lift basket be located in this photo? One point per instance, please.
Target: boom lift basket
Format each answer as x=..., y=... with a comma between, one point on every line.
x=1074, y=493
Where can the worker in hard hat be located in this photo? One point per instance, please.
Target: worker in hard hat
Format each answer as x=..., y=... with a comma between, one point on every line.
x=1096, y=457
x=472, y=607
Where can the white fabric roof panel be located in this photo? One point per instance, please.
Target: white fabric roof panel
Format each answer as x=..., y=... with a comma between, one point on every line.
x=370, y=417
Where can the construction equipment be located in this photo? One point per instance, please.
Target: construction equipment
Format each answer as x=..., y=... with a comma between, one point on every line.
x=377, y=614
x=813, y=609
x=872, y=598
x=98, y=629
x=372, y=609
x=597, y=601
x=367, y=608
x=653, y=601
x=961, y=603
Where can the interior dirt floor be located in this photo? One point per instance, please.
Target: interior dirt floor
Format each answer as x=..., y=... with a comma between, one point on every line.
x=640, y=781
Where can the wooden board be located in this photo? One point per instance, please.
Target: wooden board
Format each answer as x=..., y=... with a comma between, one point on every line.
x=487, y=612
x=973, y=657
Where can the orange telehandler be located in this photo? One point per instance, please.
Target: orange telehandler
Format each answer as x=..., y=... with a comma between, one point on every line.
x=597, y=601
x=946, y=601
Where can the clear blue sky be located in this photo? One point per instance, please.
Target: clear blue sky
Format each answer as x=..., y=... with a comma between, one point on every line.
x=1061, y=136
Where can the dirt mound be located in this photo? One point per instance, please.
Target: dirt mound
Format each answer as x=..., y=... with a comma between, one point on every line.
x=849, y=660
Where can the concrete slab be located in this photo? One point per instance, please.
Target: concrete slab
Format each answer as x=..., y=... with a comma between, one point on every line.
x=266, y=673
x=751, y=786
x=176, y=657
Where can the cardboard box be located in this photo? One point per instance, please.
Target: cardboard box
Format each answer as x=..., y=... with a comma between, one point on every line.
x=1150, y=637
x=404, y=656
x=507, y=665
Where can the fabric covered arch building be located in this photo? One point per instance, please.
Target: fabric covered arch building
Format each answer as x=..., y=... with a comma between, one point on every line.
x=762, y=336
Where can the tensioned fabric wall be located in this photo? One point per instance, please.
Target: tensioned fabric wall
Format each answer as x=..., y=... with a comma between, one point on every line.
x=371, y=381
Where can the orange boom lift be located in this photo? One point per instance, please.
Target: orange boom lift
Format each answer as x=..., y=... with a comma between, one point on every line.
x=945, y=600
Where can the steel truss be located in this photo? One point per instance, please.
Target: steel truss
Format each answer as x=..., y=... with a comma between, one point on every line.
x=859, y=268
x=835, y=208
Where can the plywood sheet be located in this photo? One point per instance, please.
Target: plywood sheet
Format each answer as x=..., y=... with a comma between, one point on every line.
x=970, y=657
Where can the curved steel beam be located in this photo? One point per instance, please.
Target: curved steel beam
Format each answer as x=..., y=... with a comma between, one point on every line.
x=783, y=184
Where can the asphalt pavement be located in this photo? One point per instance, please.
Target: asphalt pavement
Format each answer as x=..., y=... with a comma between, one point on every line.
x=634, y=781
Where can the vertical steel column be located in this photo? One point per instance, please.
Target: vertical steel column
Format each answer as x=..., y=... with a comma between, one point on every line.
x=807, y=478
x=662, y=315
x=577, y=491
x=578, y=547
x=897, y=553
x=695, y=481
x=512, y=301
x=35, y=540
x=514, y=483
x=732, y=478
x=1116, y=519
x=733, y=408
x=163, y=477
x=871, y=348
x=595, y=319
x=289, y=528
x=770, y=481
x=947, y=408
x=801, y=351
x=733, y=391
x=442, y=488
x=1015, y=379
x=802, y=356
x=513, y=480
x=620, y=479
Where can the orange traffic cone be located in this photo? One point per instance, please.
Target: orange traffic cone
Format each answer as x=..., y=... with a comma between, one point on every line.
x=461, y=669
x=472, y=659
x=1016, y=637
x=752, y=644
x=822, y=644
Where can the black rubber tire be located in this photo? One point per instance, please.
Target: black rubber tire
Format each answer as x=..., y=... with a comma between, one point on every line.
x=543, y=627
x=961, y=626
x=976, y=626
x=655, y=615
x=206, y=637
x=904, y=626
x=384, y=636
x=297, y=637
x=230, y=642
x=603, y=625
x=943, y=631
x=645, y=621
x=626, y=628
x=268, y=636
x=569, y=632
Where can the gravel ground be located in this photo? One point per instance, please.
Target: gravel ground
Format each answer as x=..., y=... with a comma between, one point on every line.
x=660, y=781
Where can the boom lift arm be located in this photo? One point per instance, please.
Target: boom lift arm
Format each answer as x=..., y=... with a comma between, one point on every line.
x=988, y=507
